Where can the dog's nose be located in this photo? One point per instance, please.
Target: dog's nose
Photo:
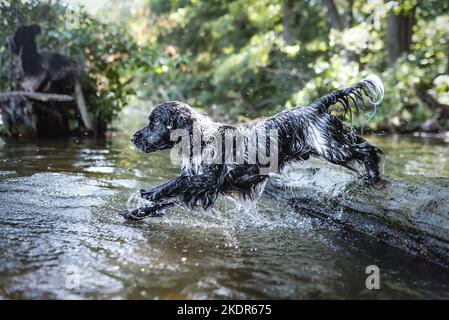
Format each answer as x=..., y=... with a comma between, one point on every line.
x=133, y=138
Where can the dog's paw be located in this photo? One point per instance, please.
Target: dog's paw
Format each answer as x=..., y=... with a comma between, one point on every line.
x=143, y=212
x=130, y=214
x=146, y=194
x=370, y=180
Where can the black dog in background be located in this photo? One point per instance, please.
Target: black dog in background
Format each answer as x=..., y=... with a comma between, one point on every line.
x=302, y=132
x=40, y=68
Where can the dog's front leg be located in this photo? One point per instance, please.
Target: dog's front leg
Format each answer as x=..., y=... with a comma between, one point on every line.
x=192, y=190
x=164, y=191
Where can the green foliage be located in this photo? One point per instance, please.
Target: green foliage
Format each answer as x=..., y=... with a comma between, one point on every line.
x=247, y=58
x=233, y=57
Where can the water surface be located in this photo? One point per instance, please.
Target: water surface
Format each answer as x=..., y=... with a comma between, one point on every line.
x=58, y=204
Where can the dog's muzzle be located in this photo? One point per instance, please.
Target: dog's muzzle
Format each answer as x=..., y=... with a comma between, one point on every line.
x=138, y=140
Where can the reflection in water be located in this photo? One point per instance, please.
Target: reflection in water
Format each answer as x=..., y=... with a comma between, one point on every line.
x=58, y=204
x=415, y=156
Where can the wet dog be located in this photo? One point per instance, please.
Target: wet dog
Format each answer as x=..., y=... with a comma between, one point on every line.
x=300, y=132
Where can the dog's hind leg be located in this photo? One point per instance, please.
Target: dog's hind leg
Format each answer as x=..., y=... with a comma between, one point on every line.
x=348, y=155
x=337, y=150
x=328, y=139
x=370, y=156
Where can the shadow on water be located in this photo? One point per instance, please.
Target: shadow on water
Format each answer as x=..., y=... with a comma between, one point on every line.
x=58, y=204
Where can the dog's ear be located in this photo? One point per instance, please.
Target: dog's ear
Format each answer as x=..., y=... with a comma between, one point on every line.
x=36, y=29
x=183, y=121
x=19, y=37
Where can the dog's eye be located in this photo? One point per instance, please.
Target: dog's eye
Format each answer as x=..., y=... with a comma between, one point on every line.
x=151, y=120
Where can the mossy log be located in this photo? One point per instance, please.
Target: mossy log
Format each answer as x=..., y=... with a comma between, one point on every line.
x=411, y=214
x=45, y=97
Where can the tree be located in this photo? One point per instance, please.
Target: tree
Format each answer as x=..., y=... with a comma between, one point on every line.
x=333, y=15
x=399, y=32
x=288, y=21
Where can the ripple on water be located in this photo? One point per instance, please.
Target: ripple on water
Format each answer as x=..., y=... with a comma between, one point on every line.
x=53, y=220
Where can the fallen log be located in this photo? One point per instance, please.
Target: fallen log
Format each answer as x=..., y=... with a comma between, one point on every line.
x=40, y=96
x=411, y=214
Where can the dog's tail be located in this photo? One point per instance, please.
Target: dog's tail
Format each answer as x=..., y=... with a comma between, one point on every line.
x=371, y=87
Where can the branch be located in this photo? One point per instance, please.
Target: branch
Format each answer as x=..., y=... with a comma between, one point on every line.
x=81, y=103
x=36, y=96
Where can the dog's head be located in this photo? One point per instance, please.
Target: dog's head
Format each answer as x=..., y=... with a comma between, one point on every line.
x=162, y=121
x=24, y=44
x=25, y=36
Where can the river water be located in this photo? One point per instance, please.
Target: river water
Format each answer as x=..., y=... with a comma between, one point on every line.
x=61, y=237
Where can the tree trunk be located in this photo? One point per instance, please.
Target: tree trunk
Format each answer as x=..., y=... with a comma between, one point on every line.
x=440, y=111
x=288, y=21
x=447, y=60
x=338, y=22
x=399, y=34
x=333, y=16
x=410, y=215
x=392, y=38
x=350, y=18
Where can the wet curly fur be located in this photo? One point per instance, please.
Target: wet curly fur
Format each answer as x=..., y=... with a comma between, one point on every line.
x=302, y=132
